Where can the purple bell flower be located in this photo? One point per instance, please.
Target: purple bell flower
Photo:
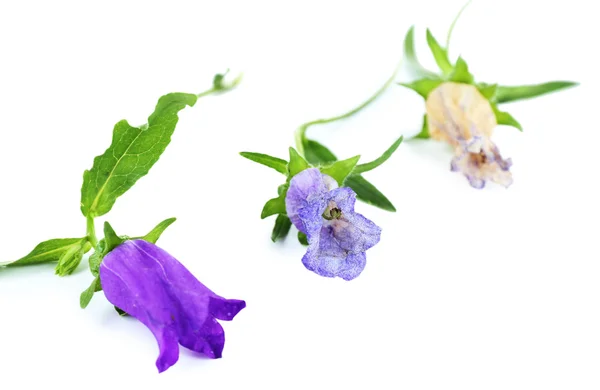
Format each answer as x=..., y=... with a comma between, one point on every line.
x=152, y=286
x=337, y=236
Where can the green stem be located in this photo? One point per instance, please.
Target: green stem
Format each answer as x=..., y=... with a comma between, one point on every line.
x=91, y=232
x=207, y=92
x=453, y=24
x=300, y=135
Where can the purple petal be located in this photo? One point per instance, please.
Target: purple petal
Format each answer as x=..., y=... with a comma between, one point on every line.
x=307, y=189
x=152, y=286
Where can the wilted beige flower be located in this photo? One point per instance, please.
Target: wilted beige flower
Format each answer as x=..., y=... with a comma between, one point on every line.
x=460, y=115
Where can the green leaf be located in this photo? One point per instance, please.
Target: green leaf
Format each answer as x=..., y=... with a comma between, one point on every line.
x=274, y=206
x=155, y=233
x=424, y=134
x=439, y=54
x=133, y=151
x=488, y=91
x=71, y=259
x=504, y=118
x=281, y=228
x=302, y=238
x=297, y=163
x=361, y=168
x=367, y=192
x=111, y=238
x=461, y=72
x=88, y=294
x=511, y=94
x=317, y=154
x=277, y=164
x=411, y=56
x=423, y=87
x=49, y=251
x=339, y=170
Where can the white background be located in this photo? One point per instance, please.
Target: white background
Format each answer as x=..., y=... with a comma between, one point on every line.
x=468, y=289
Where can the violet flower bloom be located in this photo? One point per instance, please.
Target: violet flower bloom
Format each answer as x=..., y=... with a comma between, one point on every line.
x=152, y=286
x=337, y=236
x=460, y=115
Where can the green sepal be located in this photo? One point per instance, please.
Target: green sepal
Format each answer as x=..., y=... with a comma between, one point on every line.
x=439, y=54
x=423, y=87
x=424, y=134
x=361, y=168
x=121, y=312
x=111, y=238
x=219, y=85
x=317, y=154
x=158, y=230
x=488, y=91
x=504, y=118
x=96, y=258
x=511, y=94
x=50, y=251
x=302, y=239
x=297, y=163
x=133, y=151
x=461, y=73
x=367, y=192
x=88, y=294
x=339, y=170
x=411, y=56
x=275, y=205
x=281, y=228
x=277, y=164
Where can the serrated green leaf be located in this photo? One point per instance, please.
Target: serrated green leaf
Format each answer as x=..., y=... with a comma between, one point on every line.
x=49, y=251
x=423, y=87
x=439, y=54
x=274, y=206
x=461, y=73
x=339, y=170
x=510, y=94
x=71, y=259
x=281, y=228
x=367, y=192
x=317, y=154
x=488, y=91
x=411, y=56
x=277, y=164
x=424, y=134
x=88, y=294
x=133, y=151
x=361, y=168
x=302, y=239
x=504, y=118
x=155, y=233
x=297, y=163
x=111, y=238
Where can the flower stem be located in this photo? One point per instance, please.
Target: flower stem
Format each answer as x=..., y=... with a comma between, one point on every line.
x=91, y=232
x=206, y=93
x=454, y=24
x=300, y=136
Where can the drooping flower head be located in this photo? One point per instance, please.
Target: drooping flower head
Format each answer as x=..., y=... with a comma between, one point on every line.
x=151, y=285
x=460, y=115
x=337, y=236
